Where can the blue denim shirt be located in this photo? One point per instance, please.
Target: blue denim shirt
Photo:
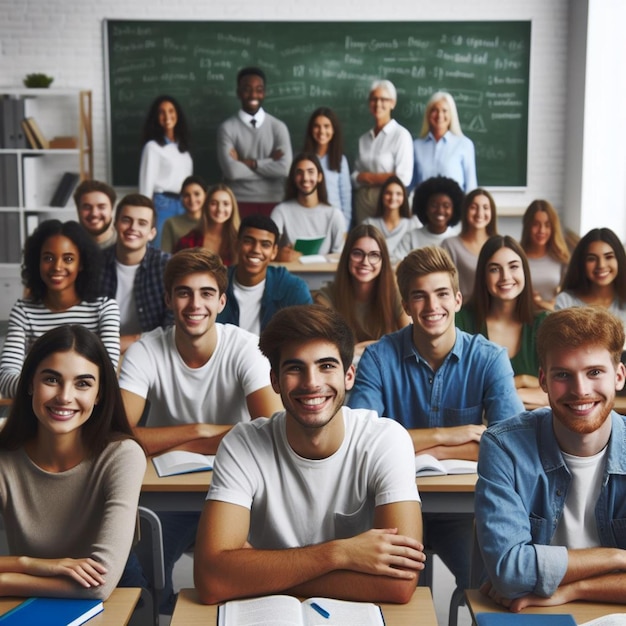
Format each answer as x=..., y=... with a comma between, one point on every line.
x=395, y=381
x=521, y=490
x=282, y=289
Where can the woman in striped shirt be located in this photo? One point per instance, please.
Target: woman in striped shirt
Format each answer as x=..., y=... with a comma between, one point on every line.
x=60, y=272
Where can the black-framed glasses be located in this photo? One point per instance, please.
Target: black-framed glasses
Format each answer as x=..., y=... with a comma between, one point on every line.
x=374, y=257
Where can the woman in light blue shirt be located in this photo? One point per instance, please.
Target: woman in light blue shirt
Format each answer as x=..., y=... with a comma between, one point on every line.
x=325, y=138
x=442, y=149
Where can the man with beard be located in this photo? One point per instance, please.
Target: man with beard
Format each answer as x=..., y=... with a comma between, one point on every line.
x=94, y=204
x=305, y=213
x=254, y=148
x=551, y=494
x=320, y=499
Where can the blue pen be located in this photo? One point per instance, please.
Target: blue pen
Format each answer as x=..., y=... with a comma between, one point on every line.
x=323, y=612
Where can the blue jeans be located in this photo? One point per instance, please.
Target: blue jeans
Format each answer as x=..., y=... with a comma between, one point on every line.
x=166, y=206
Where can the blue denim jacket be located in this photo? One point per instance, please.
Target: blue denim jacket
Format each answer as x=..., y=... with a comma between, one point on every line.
x=475, y=377
x=521, y=490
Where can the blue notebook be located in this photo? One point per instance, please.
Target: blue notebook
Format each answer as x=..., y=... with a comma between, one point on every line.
x=52, y=612
x=528, y=619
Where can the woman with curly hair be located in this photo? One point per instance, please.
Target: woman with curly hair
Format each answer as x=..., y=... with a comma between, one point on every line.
x=60, y=272
x=165, y=159
x=437, y=202
x=218, y=226
x=364, y=290
x=545, y=247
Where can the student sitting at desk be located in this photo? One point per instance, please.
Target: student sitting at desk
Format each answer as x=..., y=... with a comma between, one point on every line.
x=551, y=491
x=70, y=472
x=200, y=378
x=438, y=382
x=60, y=272
x=305, y=213
x=364, y=290
x=133, y=272
x=256, y=289
x=319, y=499
x=94, y=205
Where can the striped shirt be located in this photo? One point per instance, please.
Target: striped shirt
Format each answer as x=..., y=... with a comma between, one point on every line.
x=29, y=320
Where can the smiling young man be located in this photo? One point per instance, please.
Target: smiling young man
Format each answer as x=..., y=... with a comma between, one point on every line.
x=133, y=271
x=319, y=499
x=94, y=204
x=551, y=492
x=199, y=377
x=439, y=383
x=255, y=289
x=305, y=213
x=254, y=148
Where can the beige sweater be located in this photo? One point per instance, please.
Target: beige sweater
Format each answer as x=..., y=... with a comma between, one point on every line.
x=87, y=511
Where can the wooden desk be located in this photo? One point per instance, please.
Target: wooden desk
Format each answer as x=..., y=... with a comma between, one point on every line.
x=187, y=492
x=582, y=611
x=117, y=609
x=315, y=275
x=420, y=610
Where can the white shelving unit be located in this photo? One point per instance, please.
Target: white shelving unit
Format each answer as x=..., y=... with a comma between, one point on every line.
x=58, y=113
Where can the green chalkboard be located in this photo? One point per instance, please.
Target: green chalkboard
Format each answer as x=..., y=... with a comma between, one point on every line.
x=485, y=65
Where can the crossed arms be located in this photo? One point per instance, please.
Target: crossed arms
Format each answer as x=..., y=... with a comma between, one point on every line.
x=380, y=565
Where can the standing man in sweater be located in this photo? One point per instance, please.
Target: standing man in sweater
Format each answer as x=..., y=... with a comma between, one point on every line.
x=254, y=149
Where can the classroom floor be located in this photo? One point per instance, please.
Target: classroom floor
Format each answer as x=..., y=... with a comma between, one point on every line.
x=443, y=584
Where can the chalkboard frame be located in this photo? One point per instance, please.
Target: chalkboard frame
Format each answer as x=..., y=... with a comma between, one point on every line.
x=518, y=136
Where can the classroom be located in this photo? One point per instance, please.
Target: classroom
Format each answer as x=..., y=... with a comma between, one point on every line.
x=576, y=73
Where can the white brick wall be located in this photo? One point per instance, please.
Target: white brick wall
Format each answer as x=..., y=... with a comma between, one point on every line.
x=64, y=38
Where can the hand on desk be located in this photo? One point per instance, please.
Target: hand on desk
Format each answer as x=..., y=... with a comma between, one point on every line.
x=86, y=572
x=562, y=595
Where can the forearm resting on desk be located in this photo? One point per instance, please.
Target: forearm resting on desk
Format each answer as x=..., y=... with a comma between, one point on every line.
x=203, y=438
x=462, y=440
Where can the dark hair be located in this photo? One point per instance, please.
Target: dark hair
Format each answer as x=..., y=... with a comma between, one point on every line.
x=152, y=130
x=405, y=211
x=306, y=322
x=261, y=222
x=88, y=186
x=576, y=280
x=291, y=191
x=434, y=186
x=191, y=261
x=492, y=228
x=481, y=300
x=579, y=326
x=90, y=259
x=335, y=147
x=135, y=199
x=250, y=71
x=194, y=180
x=381, y=314
x=108, y=421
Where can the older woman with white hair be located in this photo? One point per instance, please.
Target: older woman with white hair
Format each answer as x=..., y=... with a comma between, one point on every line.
x=442, y=149
x=384, y=151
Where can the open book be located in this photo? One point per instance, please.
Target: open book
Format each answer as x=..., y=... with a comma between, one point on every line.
x=288, y=611
x=182, y=462
x=428, y=465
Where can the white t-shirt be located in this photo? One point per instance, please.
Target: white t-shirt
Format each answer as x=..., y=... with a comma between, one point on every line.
x=249, y=300
x=125, y=296
x=577, y=527
x=212, y=394
x=296, y=502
